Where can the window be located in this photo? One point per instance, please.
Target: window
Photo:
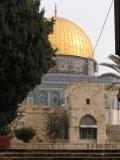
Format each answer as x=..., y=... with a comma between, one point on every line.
x=88, y=127
x=88, y=120
x=116, y=103
x=87, y=101
x=55, y=98
x=43, y=98
x=88, y=133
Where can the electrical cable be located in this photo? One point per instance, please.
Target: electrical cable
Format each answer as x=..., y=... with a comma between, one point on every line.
x=103, y=26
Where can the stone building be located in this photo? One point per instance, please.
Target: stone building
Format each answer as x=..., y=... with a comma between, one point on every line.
x=72, y=85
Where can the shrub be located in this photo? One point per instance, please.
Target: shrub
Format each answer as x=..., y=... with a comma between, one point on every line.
x=25, y=134
x=4, y=131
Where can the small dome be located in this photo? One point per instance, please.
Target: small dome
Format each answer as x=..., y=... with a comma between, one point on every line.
x=69, y=39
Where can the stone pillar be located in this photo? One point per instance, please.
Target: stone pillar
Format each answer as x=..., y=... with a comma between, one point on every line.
x=73, y=135
x=74, y=128
x=49, y=98
x=101, y=138
x=101, y=134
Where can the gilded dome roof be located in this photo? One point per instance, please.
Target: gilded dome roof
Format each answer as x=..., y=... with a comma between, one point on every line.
x=69, y=39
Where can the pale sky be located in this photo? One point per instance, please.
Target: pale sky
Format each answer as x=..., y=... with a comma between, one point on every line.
x=89, y=15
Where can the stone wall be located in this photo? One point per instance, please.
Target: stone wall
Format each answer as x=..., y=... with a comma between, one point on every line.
x=65, y=146
x=113, y=132
x=77, y=94
x=37, y=118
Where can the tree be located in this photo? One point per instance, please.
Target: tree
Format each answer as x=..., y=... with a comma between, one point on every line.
x=57, y=126
x=25, y=52
x=5, y=130
x=115, y=66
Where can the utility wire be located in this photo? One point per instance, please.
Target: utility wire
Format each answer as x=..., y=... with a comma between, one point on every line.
x=103, y=26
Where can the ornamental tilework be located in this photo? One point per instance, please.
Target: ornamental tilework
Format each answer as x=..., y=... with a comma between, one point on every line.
x=41, y=97
x=55, y=98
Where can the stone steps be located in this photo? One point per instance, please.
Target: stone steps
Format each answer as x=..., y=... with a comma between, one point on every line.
x=19, y=154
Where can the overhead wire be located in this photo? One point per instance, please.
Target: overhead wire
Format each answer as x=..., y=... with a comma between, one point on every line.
x=103, y=27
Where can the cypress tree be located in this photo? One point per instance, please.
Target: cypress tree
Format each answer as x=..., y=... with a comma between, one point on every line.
x=25, y=52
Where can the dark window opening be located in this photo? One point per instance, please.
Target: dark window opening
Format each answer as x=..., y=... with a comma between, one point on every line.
x=87, y=101
x=88, y=133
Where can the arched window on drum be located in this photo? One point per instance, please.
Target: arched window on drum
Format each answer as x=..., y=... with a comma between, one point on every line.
x=43, y=98
x=55, y=98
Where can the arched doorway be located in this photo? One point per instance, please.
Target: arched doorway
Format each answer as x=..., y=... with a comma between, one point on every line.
x=88, y=128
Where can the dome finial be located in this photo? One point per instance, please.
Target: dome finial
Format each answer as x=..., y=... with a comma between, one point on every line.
x=55, y=10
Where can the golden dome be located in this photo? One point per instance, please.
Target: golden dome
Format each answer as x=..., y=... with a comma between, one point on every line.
x=69, y=39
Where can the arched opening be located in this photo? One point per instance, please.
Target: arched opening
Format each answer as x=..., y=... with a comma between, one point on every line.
x=55, y=97
x=116, y=109
x=88, y=127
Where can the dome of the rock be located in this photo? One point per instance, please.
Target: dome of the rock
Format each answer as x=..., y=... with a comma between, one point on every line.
x=69, y=39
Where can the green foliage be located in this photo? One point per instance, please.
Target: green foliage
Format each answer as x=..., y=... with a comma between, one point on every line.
x=57, y=126
x=115, y=66
x=4, y=131
x=25, y=52
x=25, y=134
